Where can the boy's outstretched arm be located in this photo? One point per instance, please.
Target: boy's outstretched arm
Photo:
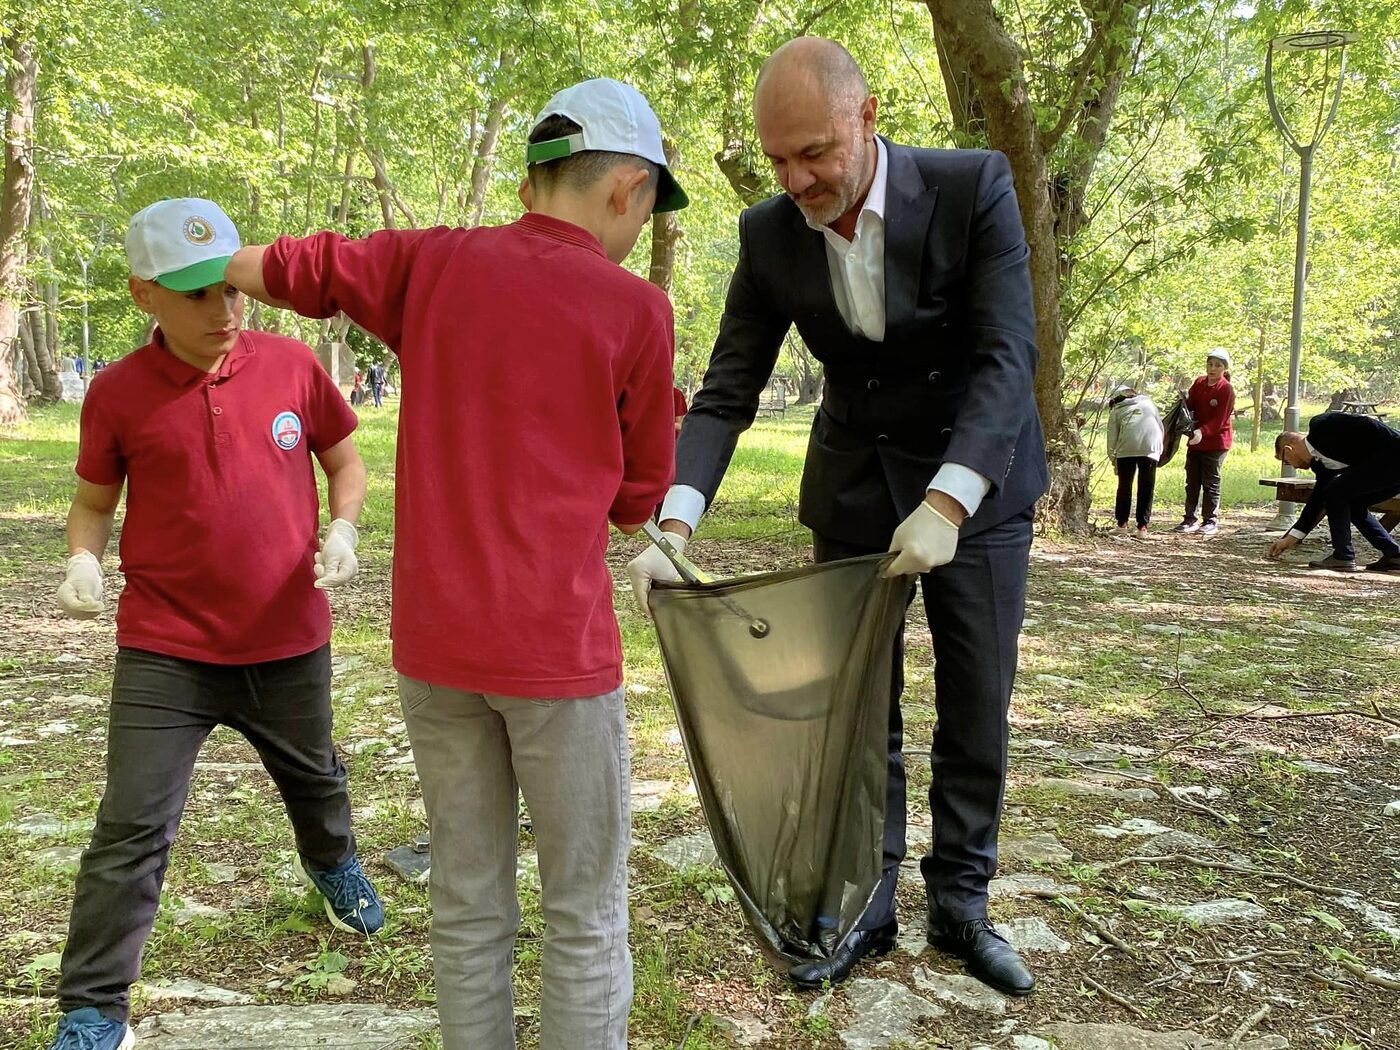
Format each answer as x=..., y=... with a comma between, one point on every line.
x=336, y=563
x=89, y=528
x=245, y=272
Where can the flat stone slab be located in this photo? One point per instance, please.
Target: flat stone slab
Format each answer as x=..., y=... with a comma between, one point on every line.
x=1220, y=913
x=1066, y=1036
x=61, y=858
x=1089, y=789
x=1032, y=935
x=648, y=795
x=1028, y=884
x=187, y=910
x=187, y=991
x=885, y=1014
x=743, y=1029
x=1378, y=918
x=960, y=990
x=686, y=851
x=1031, y=849
x=318, y=1026
x=1177, y=842
x=1130, y=828
x=42, y=826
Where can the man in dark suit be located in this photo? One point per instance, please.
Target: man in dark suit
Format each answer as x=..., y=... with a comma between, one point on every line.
x=905, y=272
x=1357, y=462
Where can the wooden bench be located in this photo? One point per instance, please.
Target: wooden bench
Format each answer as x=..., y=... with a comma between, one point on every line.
x=1298, y=489
x=774, y=400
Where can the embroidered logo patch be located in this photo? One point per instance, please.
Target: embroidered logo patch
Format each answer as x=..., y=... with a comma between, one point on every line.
x=1214, y=402
x=198, y=230
x=286, y=430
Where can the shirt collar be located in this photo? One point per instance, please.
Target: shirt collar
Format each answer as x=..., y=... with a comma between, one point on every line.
x=559, y=230
x=1326, y=461
x=182, y=374
x=874, y=199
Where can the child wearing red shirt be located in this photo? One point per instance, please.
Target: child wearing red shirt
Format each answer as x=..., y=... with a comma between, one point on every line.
x=224, y=619
x=504, y=633
x=1212, y=401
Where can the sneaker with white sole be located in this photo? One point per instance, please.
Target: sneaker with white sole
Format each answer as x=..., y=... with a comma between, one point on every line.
x=1187, y=526
x=88, y=1029
x=1208, y=529
x=351, y=903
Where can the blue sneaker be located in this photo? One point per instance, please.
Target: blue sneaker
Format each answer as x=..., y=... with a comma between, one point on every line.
x=351, y=903
x=86, y=1029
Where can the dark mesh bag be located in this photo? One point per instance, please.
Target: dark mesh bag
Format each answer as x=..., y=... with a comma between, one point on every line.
x=781, y=685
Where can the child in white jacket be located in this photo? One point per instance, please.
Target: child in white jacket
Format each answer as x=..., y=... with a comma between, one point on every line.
x=1134, y=444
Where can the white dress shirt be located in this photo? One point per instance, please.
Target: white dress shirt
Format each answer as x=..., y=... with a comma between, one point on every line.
x=857, y=270
x=1326, y=461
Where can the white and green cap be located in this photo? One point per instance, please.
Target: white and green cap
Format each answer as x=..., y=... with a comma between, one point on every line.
x=182, y=244
x=616, y=118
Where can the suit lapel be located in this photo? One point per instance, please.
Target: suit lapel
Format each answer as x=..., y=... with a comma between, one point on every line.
x=809, y=269
x=908, y=210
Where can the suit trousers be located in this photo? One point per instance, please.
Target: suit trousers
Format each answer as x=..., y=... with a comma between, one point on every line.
x=1348, y=495
x=975, y=605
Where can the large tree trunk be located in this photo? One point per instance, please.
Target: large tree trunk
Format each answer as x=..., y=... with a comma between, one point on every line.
x=24, y=349
x=980, y=59
x=21, y=75
x=485, y=158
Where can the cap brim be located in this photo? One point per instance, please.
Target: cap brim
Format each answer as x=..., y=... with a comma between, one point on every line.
x=669, y=195
x=200, y=275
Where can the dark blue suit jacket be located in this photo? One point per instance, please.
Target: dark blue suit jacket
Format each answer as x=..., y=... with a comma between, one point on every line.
x=952, y=381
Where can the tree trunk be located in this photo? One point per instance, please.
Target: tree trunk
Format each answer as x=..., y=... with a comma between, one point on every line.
x=809, y=370
x=665, y=234
x=1259, y=390
x=21, y=75
x=25, y=349
x=978, y=56
x=486, y=148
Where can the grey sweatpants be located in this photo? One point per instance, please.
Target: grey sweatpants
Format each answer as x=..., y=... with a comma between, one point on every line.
x=569, y=758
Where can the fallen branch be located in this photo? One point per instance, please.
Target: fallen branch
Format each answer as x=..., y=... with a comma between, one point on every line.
x=1252, y=1020
x=1111, y=995
x=1363, y=974
x=1234, y=960
x=1239, y=869
x=1201, y=807
x=1097, y=926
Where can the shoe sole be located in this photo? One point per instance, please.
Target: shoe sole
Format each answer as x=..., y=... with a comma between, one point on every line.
x=299, y=870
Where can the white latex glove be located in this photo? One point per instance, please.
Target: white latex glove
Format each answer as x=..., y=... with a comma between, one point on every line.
x=652, y=565
x=335, y=562
x=924, y=540
x=1195, y=438
x=80, y=595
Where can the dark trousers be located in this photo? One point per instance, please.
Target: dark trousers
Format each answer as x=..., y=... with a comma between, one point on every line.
x=1146, y=469
x=163, y=708
x=1348, y=495
x=1203, y=474
x=975, y=605
x=378, y=392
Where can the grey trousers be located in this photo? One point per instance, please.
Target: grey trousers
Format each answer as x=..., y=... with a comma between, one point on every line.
x=569, y=758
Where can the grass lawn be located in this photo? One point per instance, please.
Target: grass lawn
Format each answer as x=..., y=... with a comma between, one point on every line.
x=1271, y=658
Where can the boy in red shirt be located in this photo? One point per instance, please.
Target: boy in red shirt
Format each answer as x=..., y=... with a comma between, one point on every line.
x=1212, y=401
x=224, y=619
x=503, y=626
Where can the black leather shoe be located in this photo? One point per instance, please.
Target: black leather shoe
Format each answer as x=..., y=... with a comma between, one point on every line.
x=1388, y=563
x=989, y=956
x=834, y=970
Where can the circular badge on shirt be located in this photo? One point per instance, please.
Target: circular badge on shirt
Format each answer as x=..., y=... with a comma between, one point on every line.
x=286, y=430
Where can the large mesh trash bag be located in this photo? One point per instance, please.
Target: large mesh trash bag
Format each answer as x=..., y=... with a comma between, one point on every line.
x=1180, y=421
x=781, y=685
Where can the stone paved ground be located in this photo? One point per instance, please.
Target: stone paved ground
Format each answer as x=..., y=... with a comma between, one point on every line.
x=1206, y=866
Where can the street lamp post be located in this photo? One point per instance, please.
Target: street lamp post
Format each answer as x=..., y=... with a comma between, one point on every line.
x=1329, y=41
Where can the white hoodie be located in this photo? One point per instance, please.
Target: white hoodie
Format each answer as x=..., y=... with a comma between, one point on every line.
x=1134, y=429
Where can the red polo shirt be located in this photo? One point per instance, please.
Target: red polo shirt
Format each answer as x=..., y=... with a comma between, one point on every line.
x=221, y=506
x=536, y=406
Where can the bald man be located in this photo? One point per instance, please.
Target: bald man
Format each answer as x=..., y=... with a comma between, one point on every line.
x=1357, y=462
x=905, y=273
